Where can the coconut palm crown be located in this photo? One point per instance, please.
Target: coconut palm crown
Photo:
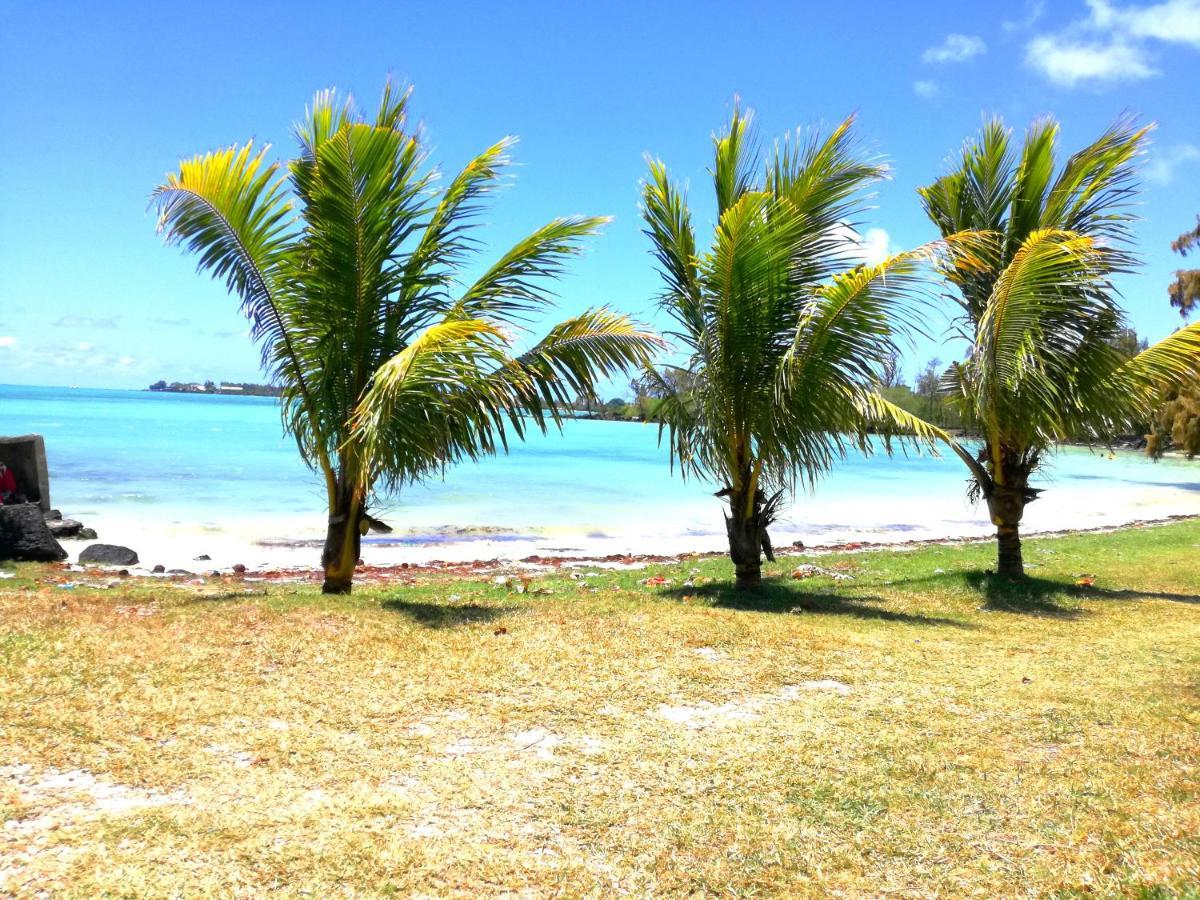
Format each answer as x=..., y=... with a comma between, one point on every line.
x=785, y=334
x=349, y=262
x=1040, y=316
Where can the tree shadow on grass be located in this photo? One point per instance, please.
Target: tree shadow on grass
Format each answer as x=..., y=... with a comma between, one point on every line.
x=440, y=615
x=1036, y=596
x=779, y=596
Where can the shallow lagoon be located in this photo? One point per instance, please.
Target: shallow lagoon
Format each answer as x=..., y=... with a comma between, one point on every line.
x=176, y=475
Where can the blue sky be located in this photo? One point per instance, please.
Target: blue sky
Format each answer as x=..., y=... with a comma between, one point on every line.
x=102, y=99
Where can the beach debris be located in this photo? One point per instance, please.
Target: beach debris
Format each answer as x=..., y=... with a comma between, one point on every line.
x=712, y=654
x=517, y=584
x=808, y=570
x=8, y=574
x=499, y=631
x=656, y=581
x=108, y=555
x=1085, y=580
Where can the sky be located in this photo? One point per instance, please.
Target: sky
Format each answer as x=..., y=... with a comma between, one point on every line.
x=103, y=99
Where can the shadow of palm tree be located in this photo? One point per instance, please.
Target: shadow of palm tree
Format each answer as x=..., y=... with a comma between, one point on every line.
x=1040, y=596
x=440, y=615
x=778, y=596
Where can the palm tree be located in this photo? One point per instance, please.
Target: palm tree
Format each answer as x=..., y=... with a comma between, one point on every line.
x=1040, y=316
x=786, y=337
x=348, y=264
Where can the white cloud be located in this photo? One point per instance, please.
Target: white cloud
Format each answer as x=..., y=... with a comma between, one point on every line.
x=876, y=246
x=1176, y=21
x=872, y=247
x=1113, y=43
x=84, y=345
x=955, y=48
x=1068, y=62
x=927, y=90
x=7, y=340
x=125, y=361
x=1033, y=12
x=1163, y=163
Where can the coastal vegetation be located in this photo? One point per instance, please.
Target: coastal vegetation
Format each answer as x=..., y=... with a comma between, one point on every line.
x=231, y=388
x=1042, y=322
x=349, y=264
x=916, y=728
x=784, y=335
x=1177, y=424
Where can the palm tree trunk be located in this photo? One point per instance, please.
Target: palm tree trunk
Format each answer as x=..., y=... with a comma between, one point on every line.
x=745, y=543
x=748, y=541
x=343, y=542
x=1006, y=506
x=1008, y=551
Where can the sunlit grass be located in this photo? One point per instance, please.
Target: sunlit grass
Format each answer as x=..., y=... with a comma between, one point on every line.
x=597, y=736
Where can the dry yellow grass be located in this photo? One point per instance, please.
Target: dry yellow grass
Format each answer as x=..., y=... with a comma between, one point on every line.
x=918, y=730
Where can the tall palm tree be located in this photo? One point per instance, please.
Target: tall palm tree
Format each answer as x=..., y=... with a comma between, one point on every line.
x=1040, y=316
x=786, y=336
x=348, y=263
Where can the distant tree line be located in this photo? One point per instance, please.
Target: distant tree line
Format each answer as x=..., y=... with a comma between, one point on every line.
x=231, y=388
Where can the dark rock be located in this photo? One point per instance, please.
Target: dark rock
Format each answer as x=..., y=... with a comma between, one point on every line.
x=53, y=514
x=159, y=569
x=108, y=555
x=25, y=536
x=86, y=534
x=179, y=572
x=239, y=569
x=64, y=528
x=202, y=557
x=124, y=573
x=214, y=574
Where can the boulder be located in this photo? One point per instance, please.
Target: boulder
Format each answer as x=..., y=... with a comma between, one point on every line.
x=64, y=528
x=87, y=534
x=108, y=555
x=24, y=535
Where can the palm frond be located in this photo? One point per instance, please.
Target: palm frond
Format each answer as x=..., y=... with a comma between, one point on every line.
x=230, y=208
x=513, y=289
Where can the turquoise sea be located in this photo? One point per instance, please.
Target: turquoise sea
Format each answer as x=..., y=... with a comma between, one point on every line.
x=217, y=468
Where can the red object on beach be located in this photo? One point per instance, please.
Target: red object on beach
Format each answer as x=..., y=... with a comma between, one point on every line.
x=8, y=484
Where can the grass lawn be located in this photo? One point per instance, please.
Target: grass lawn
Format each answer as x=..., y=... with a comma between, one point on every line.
x=916, y=729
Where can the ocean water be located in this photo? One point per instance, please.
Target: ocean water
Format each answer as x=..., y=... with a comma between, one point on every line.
x=184, y=474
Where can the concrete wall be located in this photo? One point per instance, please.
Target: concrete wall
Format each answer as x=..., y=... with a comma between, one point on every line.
x=26, y=456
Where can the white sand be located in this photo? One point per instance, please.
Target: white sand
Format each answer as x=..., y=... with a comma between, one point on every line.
x=287, y=543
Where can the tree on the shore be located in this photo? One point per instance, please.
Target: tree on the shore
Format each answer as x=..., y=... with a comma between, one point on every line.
x=1043, y=324
x=929, y=386
x=1185, y=290
x=1177, y=423
x=348, y=263
x=786, y=342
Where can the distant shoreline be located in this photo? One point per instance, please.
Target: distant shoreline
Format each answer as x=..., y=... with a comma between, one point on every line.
x=223, y=388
